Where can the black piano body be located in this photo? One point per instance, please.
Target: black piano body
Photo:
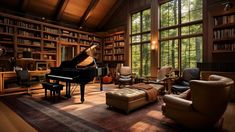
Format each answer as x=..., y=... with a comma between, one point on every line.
x=81, y=69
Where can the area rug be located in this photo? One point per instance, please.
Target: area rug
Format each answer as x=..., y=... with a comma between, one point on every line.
x=92, y=115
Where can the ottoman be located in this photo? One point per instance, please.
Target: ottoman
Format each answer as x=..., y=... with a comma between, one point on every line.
x=127, y=99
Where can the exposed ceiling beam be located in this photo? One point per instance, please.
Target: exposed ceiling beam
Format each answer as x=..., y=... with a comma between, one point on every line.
x=61, y=5
x=23, y=5
x=110, y=14
x=86, y=13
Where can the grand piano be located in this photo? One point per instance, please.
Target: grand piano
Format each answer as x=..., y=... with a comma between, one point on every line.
x=80, y=70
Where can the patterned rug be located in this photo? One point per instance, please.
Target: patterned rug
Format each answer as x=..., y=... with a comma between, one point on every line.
x=92, y=115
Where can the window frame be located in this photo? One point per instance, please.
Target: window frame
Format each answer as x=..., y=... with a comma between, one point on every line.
x=179, y=27
x=141, y=43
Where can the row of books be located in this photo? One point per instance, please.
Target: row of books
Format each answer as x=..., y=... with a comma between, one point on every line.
x=225, y=46
x=224, y=20
x=119, y=51
x=51, y=30
x=28, y=25
x=119, y=44
x=27, y=33
x=108, y=58
x=28, y=42
x=113, y=38
x=51, y=37
x=118, y=58
x=49, y=44
x=71, y=40
x=108, y=51
x=6, y=21
x=7, y=30
x=218, y=34
x=69, y=33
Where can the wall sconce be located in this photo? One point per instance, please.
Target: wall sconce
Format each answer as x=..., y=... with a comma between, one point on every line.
x=153, y=45
x=227, y=6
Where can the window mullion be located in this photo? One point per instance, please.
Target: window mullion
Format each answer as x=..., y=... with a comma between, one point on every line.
x=179, y=34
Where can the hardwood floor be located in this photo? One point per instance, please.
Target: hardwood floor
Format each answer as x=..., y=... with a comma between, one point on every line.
x=11, y=122
x=95, y=100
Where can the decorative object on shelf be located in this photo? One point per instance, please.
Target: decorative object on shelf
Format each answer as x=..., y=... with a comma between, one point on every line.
x=27, y=53
x=2, y=51
x=227, y=6
x=12, y=61
x=41, y=66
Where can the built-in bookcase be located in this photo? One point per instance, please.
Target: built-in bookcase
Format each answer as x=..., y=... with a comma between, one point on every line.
x=42, y=39
x=224, y=33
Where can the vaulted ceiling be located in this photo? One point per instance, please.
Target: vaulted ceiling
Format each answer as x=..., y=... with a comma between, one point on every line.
x=81, y=13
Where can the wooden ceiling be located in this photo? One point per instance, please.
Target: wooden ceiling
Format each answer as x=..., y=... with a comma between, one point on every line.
x=82, y=13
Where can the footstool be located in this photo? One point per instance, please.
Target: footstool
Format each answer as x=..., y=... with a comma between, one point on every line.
x=127, y=99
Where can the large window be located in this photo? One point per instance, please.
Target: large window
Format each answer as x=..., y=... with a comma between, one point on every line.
x=181, y=33
x=140, y=42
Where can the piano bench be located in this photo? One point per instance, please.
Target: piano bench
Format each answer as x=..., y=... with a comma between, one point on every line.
x=54, y=88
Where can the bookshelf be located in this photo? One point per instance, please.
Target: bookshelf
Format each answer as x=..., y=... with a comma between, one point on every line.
x=224, y=33
x=114, y=47
x=42, y=39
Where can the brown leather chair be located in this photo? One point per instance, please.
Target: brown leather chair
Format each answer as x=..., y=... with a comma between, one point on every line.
x=208, y=103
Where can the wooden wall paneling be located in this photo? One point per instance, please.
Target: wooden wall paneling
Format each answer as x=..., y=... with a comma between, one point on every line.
x=1, y=83
x=117, y=6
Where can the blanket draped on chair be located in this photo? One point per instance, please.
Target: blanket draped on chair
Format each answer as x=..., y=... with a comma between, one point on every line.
x=151, y=92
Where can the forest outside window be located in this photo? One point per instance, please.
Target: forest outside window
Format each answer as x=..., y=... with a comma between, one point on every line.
x=140, y=42
x=181, y=33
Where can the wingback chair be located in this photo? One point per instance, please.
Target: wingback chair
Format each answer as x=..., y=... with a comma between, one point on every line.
x=125, y=76
x=208, y=103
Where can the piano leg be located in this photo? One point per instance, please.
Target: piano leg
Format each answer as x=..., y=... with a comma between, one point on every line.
x=68, y=90
x=82, y=88
x=101, y=83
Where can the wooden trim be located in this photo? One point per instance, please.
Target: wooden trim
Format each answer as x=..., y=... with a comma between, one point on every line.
x=61, y=5
x=181, y=25
x=91, y=6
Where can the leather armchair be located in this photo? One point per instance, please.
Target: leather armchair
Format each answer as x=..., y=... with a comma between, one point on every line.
x=182, y=84
x=208, y=103
x=125, y=76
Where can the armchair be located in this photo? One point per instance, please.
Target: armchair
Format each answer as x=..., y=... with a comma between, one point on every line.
x=208, y=103
x=162, y=76
x=24, y=80
x=125, y=76
x=182, y=84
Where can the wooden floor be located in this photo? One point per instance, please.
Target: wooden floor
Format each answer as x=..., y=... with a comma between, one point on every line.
x=10, y=121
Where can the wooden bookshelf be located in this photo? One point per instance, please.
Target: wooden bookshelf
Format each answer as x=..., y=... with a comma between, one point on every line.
x=224, y=33
x=43, y=39
x=114, y=47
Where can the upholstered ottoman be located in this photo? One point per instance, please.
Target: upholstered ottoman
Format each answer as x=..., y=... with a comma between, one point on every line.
x=127, y=99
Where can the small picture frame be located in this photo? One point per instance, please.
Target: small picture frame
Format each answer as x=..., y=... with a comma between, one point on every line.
x=41, y=66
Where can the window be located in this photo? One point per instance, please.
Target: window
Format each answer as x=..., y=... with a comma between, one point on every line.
x=140, y=42
x=181, y=33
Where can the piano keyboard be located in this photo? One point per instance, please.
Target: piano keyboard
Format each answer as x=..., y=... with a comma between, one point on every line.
x=61, y=77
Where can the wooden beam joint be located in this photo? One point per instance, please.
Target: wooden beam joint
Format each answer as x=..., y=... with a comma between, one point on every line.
x=91, y=6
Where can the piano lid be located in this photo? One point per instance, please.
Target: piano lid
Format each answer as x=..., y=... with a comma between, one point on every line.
x=81, y=60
